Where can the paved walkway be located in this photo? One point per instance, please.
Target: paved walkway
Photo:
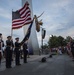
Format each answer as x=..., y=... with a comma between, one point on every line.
x=30, y=59
x=57, y=65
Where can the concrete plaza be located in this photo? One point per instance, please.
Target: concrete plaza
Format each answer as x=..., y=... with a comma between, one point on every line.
x=57, y=65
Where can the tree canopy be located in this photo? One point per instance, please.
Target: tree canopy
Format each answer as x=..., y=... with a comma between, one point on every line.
x=56, y=41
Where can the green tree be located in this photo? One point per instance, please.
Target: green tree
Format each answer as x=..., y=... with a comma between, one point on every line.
x=60, y=40
x=55, y=41
x=68, y=38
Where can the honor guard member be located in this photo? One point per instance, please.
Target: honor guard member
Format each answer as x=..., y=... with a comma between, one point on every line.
x=12, y=48
x=1, y=47
x=8, y=51
x=25, y=52
x=17, y=51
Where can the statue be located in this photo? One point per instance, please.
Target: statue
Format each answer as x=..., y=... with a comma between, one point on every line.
x=38, y=23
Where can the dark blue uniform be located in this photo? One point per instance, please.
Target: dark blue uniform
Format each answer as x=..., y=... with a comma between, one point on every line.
x=8, y=53
x=25, y=52
x=17, y=53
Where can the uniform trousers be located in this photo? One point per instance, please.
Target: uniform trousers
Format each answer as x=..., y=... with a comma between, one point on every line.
x=8, y=54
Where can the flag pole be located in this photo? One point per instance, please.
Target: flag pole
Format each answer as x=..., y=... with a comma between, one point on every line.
x=11, y=32
x=11, y=28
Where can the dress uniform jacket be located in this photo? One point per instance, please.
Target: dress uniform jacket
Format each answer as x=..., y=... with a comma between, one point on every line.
x=17, y=53
x=8, y=53
x=25, y=52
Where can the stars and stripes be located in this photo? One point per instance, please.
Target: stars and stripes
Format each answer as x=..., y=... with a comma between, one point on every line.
x=21, y=17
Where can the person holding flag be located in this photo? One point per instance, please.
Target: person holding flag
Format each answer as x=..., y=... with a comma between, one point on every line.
x=25, y=41
x=17, y=52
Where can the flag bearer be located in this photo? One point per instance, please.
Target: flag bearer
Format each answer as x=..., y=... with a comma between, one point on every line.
x=17, y=51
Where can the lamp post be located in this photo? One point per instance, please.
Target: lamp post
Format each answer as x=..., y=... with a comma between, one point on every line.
x=49, y=44
x=42, y=40
x=42, y=37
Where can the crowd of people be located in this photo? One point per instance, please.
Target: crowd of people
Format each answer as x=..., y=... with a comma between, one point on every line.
x=12, y=48
x=69, y=49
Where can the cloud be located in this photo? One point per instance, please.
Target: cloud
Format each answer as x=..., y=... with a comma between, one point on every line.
x=57, y=18
x=5, y=13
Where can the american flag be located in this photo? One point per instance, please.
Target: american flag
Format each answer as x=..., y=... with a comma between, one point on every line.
x=21, y=17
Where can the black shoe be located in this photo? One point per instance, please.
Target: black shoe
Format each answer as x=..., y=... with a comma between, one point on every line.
x=8, y=67
x=18, y=64
x=25, y=62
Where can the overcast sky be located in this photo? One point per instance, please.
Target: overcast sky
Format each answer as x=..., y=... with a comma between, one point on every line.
x=58, y=17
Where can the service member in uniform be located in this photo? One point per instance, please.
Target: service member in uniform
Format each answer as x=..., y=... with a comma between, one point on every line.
x=25, y=52
x=12, y=52
x=1, y=46
x=17, y=51
x=8, y=51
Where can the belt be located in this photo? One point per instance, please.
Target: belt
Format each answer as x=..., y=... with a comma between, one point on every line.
x=8, y=46
x=17, y=47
